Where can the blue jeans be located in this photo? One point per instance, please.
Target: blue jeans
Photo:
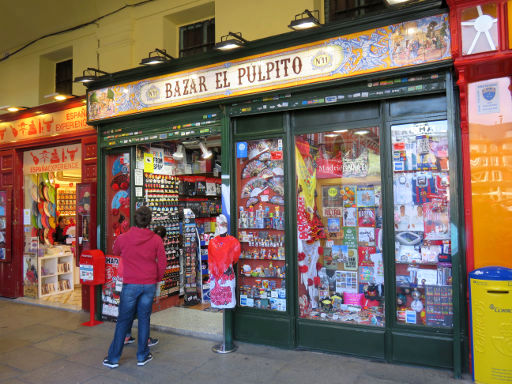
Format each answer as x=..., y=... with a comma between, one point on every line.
x=134, y=298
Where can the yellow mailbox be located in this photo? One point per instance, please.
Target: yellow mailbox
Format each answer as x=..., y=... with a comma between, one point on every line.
x=491, y=324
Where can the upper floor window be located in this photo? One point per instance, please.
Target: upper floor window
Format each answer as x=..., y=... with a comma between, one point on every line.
x=349, y=9
x=64, y=77
x=479, y=26
x=196, y=38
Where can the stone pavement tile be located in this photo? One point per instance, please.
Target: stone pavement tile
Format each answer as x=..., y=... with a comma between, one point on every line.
x=13, y=381
x=93, y=357
x=7, y=373
x=179, y=361
x=103, y=330
x=225, y=378
x=37, y=332
x=10, y=343
x=70, y=343
x=68, y=320
x=102, y=379
x=247, y=368
x=28, y=358
x=156, y=371
x=302, y=370
x=61, y=372
x=409, y=374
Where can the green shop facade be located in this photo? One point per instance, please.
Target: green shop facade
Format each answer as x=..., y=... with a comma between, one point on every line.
x=336, y=159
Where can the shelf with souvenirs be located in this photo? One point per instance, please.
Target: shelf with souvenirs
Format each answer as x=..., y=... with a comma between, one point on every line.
x=261, y=223
x=192, y=271
x=422, y=224
x=161, y=195
x=206, y=231
x=55, y=270
x=339, y=222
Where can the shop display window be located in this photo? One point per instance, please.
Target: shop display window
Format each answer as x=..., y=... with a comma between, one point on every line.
x=339, y=226
x=261, y=224
x=117, y=196
x=422, y=224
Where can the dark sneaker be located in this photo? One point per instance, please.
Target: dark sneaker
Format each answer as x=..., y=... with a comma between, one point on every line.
x=110, y=364
x=152, y=341
x=129, y=340
x=148, y=358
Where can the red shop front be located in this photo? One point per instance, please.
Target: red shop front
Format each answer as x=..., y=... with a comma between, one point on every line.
x=47, y=201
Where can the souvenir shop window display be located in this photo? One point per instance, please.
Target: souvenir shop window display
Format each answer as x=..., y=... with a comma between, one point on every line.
x=117, y=207
x=422, y=224
x=260, y=201
x=339, y=225
x=117, y=196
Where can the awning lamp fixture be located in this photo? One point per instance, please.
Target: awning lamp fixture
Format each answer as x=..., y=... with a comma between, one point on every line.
x=158, y=56
x=204, y=150
x=89, y=74
x=12, y=108
x=231, y=41
x=179, y=154
x=305, y=20
x=395, y=2
x=58, y=96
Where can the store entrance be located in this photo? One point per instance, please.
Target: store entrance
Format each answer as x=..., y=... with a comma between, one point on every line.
x=180, y=181
x=50, y=272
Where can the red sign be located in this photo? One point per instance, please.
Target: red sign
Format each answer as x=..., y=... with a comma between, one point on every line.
x=63, y=158
x=51, y=124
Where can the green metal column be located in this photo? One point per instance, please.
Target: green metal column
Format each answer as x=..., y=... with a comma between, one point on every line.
x=226, y=158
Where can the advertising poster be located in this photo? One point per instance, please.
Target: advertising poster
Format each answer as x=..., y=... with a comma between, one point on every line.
x=110, y=294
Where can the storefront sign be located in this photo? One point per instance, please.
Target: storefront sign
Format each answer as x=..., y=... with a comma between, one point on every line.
x=50, y=124
x=55, y=159
x=398, y=45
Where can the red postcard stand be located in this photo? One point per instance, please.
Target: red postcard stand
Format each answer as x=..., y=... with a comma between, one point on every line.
x=92, y=273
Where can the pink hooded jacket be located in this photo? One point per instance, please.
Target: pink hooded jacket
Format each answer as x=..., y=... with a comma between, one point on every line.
x=142, y=255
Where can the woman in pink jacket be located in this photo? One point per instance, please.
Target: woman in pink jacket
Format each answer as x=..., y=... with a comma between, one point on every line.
x=143, y=257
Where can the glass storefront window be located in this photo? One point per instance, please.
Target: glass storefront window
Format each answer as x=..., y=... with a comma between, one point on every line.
x=479, y=27
x=261, y=224
x=339, y=226
x=422, y=224
x=490, y=136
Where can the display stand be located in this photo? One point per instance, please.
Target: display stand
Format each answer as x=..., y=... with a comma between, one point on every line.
x=222, y=347
x=92, y=309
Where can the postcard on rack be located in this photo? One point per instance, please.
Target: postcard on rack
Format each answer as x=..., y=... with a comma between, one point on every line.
x=340, y=253
x=366, y=217
x=350, y=217
x=366, y=236
x=365, y=196
x=364, y=254
x=334, y=228
x=349, y=195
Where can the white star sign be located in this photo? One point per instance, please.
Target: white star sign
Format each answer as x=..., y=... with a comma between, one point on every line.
x=482, y=24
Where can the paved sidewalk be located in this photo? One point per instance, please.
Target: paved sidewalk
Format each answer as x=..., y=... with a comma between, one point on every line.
x=43, y=345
